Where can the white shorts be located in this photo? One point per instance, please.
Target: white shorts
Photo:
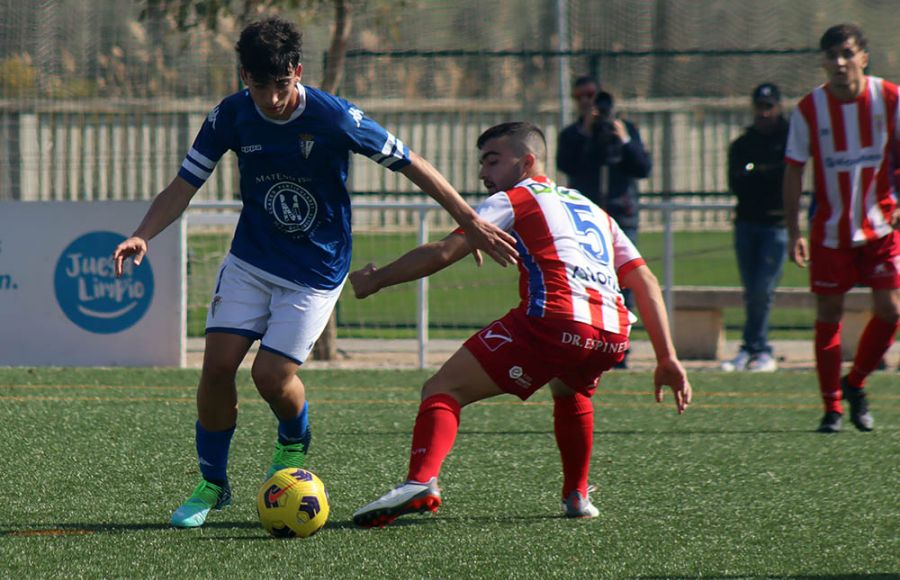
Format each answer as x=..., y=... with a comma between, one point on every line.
x=287, y=320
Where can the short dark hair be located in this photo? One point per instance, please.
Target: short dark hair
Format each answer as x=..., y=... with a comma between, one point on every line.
x=585, y=80
x=841, y=33
x=525, y=138
x=269, y=48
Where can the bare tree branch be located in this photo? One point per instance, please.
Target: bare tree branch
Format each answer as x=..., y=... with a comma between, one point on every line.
x=337, y=51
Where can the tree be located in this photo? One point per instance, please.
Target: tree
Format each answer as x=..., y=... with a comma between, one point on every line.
x=209, y=14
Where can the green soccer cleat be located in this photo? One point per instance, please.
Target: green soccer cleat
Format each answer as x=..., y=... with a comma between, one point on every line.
x=207, y=496
x=290, y=455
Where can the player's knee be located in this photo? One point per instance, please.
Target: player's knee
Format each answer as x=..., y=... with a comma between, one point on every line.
x=439, y=385
x=218, y=370
x=889, y=313
x=886, y=305
x=270, y=382
x=560, y=390
x=829, y=311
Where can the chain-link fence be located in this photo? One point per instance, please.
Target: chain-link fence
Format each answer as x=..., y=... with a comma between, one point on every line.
x=105, y=49
x=100, y=99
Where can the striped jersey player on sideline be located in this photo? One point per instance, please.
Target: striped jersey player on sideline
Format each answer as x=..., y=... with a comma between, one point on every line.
x=570, y=326
x=850, y=128
x=291, y=250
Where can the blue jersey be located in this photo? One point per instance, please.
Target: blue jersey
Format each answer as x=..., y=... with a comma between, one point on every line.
x=295, y=220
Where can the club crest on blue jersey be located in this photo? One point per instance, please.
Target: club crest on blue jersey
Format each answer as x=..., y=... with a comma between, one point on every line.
x=306, y=144
x=293, y=208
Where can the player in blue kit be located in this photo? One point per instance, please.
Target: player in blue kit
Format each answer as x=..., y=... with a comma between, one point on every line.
x=291, y=250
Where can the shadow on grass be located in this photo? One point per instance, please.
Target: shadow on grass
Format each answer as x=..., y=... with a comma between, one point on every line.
x=420, y=519
x=711, y=432
x=414, y=520
x=86, y=529
x=604, y=432
x=74, y=529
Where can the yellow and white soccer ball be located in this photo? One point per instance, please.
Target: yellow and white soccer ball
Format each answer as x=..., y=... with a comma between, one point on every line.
x=292, y=503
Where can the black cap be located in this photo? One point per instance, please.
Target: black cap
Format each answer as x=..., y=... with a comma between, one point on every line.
x=767, y=93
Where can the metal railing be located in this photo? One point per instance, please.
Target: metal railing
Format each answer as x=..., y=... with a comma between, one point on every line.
x=205, y=213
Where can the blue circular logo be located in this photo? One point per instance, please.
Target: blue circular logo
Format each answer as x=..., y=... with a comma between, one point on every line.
x=88, y=291
x=293, y=208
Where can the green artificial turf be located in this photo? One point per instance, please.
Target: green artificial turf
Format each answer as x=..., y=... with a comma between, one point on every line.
x=95, y=460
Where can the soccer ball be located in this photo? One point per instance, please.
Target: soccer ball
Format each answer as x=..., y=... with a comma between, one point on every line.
x=292, y=503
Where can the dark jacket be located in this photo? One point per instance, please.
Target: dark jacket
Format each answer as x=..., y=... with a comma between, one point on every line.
x=755, y=173
x=582, y=158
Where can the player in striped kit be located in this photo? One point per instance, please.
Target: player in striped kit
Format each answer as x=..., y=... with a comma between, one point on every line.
x=570, y=326
x=849, y=127
x=291, y=249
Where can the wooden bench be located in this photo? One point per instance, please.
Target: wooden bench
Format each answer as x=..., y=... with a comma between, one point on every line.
x=698, y=325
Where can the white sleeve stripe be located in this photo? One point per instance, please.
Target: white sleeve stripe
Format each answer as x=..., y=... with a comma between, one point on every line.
x=394, y=147
x=388, y=162
x=394, y=150
x=195, y=170
x=201, y=159
x=400, y=150
x=389, y=144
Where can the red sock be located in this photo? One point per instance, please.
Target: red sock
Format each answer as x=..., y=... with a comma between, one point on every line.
x=573, y=423
x=876, y=339
x=436, y=426
x=828, y=363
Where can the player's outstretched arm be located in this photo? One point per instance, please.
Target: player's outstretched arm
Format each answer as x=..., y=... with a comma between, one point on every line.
x=168, y=205
x=418, y=263
x=650, y=305
x=792, y=189
x=482, y=235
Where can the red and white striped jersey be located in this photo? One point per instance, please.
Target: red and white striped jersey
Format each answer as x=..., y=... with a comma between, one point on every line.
x=853, y=146
x=571, y=252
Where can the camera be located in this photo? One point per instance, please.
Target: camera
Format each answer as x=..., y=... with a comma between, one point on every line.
x=606, y=142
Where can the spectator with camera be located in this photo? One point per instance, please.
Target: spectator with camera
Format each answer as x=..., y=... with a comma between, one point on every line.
x=755, y=175
x=603, y=157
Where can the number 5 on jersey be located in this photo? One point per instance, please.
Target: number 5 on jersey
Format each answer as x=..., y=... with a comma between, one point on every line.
x=595, y=244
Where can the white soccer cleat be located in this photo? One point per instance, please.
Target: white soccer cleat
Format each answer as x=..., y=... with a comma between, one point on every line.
x=579, y=506
x=408, y=497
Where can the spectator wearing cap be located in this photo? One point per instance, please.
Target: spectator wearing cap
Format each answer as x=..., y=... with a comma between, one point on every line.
x=755, y=173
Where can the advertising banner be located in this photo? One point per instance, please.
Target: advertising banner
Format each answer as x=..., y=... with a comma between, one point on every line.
x=60, y=301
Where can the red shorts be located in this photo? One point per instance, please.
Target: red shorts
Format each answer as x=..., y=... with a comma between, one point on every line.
x=875, y=264
x=522, y=353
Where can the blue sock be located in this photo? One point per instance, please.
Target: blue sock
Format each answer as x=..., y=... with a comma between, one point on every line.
x=295, y=430
x=212, y=453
